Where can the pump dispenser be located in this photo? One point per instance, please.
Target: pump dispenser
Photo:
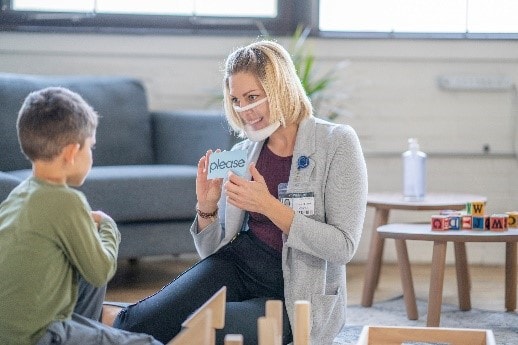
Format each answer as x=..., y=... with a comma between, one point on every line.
x=414, y=172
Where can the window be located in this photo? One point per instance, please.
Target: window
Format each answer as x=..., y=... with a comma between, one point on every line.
x=191, y=15
x=343, y=18
x=222, y=8
x=420, y=16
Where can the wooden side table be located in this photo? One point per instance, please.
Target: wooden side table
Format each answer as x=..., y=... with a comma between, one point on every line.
x=423, y=232
x=383, y=203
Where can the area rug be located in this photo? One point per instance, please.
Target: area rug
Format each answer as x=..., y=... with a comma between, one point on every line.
x=393, y=313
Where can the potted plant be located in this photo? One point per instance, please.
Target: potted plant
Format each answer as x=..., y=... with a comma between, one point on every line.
x=328, y=103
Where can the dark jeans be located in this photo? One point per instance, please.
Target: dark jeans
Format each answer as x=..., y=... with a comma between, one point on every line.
x=250, y=270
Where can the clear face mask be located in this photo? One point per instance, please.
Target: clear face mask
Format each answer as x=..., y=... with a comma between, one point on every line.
x=239, y=109
x=261, y=134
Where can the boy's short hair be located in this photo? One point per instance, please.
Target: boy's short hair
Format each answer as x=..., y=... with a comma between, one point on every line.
x=51, y=119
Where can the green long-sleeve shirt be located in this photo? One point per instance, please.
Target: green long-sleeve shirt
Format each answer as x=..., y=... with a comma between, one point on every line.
x=47, y=238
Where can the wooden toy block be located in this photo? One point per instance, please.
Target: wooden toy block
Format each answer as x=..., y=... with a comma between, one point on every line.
x=217, y=305
x=200, y=331
x=467, y=222
x=233, y=339
x=301, y=327
x=469, y=208
x=487, y=222
x=439, y=223
x=387, y=335
x=273, y=311
x=476, y=208
x=266, y=331
x=513, y=219
x=478, y=223
x=498, y=222
x=454, y=222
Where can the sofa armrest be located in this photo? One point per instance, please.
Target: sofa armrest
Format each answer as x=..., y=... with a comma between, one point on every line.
x=182, y=137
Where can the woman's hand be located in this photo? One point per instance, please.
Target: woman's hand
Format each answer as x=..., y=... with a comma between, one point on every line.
x=254, y=196
x=208, y=192
x=248, y=195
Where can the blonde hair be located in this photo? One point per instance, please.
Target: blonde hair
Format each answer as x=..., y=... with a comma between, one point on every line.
x=274, y=68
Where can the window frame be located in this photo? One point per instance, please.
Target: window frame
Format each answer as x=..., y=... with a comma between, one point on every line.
x=284, y=23
x=291, y=13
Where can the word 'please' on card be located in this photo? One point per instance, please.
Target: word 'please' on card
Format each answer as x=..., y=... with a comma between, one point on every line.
x=220, y=163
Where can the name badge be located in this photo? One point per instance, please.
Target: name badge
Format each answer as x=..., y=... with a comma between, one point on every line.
x=301, y=202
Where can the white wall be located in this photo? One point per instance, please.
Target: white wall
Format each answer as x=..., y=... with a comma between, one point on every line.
x=388, y=88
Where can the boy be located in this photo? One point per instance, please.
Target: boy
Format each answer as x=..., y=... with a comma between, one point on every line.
x=56, y=254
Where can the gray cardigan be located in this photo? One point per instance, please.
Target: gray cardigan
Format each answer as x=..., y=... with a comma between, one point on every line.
x=318, y=247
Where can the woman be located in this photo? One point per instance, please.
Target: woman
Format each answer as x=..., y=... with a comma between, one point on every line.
x=250, y=241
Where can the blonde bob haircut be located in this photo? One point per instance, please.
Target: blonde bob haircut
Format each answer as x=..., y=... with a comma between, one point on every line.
x=274, y=68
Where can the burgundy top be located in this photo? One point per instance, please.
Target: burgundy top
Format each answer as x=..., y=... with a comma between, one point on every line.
x=275, y=170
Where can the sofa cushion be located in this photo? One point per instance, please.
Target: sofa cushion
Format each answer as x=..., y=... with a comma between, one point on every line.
x=7, y=183
x=201, y=130
x=140, y=193
x=124, y=132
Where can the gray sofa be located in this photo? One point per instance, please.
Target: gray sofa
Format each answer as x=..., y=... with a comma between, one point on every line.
x=144, y=162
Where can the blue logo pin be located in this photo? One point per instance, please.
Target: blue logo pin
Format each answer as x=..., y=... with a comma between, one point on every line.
x=302, y=162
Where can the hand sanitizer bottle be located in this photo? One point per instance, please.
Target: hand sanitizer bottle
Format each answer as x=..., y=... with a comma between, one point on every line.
x=414, y=172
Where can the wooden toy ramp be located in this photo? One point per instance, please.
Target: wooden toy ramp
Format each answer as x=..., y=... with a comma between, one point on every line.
x=200, y=327
x=200, y=331
x=385, y=335
x=217, y=305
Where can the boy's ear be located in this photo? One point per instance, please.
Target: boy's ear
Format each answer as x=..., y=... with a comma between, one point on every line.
x=69, y=152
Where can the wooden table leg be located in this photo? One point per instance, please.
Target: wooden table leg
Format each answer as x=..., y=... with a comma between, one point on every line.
x=373, y=269
x=463, y=277
x=405, y=272
x=510, y=276
x=436, y=284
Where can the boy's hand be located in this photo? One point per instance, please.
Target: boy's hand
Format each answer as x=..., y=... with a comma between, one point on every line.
x=98, y=217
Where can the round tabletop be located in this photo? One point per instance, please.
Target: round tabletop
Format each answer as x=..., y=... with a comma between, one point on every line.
x=432, y=201
x=423, y=232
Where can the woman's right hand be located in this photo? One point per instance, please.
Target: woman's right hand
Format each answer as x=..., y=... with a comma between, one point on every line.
x=208, y=192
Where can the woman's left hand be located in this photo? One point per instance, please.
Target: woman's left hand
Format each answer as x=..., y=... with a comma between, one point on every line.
x=254, y=196
x=248, y=195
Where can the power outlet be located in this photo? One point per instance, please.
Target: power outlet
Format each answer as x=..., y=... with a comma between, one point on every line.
x=475, y=82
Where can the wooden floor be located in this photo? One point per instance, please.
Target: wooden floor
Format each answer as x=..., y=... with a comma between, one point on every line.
x=133, y=282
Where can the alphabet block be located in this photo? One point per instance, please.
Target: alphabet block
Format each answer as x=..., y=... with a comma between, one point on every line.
x=440, y=223
x=478, y=223
x=476, y=208
x=467, y=222
x=498, y=222
x=513, y=219
x=454, y=222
